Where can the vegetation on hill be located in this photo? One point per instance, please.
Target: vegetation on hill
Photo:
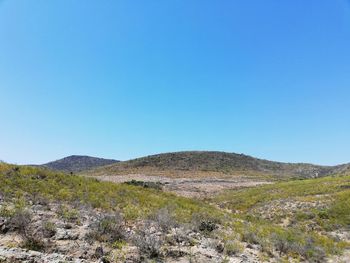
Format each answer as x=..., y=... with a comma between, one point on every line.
x=77, y=163
x=334, y=189
x=214, y=164
x=283, y=220
x=135, y=202
x=315, y=206
x=106, y=217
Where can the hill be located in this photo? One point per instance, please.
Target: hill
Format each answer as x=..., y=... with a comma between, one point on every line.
x=76, y=163
x=205, y=163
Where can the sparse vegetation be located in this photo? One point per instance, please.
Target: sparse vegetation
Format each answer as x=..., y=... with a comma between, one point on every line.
x=136, y=202
x=308, y=191
x=160, y=224
x=307, y=234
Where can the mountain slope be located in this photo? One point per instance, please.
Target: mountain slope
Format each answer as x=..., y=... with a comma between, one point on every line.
x=216, y=164
x=76, y=163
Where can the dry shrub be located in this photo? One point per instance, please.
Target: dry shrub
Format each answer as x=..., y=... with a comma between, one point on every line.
x=205, y=223
x=148, y=242
x=109, y=228
x=164, y=219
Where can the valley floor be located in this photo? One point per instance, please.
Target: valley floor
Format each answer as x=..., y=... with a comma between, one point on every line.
x=189, y=187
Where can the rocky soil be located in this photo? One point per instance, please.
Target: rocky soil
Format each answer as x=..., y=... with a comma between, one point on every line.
x=61, y=233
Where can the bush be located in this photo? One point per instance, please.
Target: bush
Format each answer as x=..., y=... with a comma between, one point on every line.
x=233, y=247
x=205, y=223
x=149, y=244
x=311, y=252
x=180, y=237
x=6, y=211
x=109, y=228
x=20, y=221
x=68, y=214
x=164, y=219
x=289, y=242
x=250, y=237
x=283, y=243
x=49, y=229
x=33, y=242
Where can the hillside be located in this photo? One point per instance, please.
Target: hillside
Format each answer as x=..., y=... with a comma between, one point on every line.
x=48, y=216
x=76, y=163
x=301, y=206
x=201, y=163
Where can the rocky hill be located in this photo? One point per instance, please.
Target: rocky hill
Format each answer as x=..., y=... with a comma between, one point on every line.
x=218, y=164
x=76, y=163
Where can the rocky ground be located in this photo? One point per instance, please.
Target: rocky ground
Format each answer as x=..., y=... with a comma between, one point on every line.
x=285, y=211
x=64, y=233
x=60, y=233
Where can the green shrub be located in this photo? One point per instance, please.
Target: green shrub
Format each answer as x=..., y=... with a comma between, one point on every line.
x=68, y=214
x=233, y=247
x=250, y=237
x=49, y=229
x=205, y=222
x=33, y=242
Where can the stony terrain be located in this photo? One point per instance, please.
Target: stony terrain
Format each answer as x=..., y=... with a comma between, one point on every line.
x=81, y=234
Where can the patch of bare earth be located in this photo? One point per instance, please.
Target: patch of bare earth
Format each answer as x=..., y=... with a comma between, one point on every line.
x=195, y=187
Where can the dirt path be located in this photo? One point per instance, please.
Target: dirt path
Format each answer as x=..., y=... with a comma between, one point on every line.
x=188, y=187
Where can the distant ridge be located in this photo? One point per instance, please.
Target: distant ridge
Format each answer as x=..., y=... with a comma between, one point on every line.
x=77, y=163
x=212, y=163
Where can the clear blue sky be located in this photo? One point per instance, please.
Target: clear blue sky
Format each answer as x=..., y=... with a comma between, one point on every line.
x=123, y=79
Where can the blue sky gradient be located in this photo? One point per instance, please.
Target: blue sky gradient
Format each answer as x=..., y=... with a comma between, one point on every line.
x=123, y=79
